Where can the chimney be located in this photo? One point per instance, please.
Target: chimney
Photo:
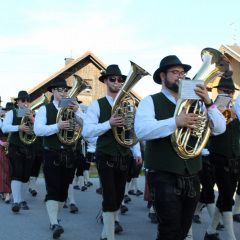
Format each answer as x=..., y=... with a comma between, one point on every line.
x=68, y=60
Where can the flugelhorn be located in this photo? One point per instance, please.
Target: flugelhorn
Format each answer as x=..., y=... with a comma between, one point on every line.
x=30, y=137
x=70, y=136
x=125, y=106
x=187, y=142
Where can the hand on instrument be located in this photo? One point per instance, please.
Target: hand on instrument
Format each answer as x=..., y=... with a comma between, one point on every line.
x=77, y=127
x=4, y=144
x=139, y=160
x=74, y=105
x=24, y=128
x=29, y=115
x=203, y=93
x=187, y=120
x=63, y=124
x=116, y=121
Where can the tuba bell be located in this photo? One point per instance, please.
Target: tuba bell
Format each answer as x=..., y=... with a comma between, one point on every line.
x=70, y=136
x=187, y=142
x=125, y=106
x=29, y=138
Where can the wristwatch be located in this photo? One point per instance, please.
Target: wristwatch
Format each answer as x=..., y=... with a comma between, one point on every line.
x=210, y=104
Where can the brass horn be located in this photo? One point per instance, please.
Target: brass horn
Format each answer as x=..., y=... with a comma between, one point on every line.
x=187, y=142
x=70, y=136
x=125, y=105
x=29, y=138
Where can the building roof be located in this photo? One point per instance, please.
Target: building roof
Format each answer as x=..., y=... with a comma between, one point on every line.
x=233, y=51
x=89, y=54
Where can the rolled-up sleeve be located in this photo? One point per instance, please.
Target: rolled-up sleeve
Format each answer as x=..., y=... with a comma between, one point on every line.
x=7, y=123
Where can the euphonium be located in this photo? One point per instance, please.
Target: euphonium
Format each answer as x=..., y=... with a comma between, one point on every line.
x=125, y=106
x=187, y=142
x=70, y=136
x=29, y=138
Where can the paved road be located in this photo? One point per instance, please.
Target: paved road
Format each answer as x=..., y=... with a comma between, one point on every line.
x=34, y=224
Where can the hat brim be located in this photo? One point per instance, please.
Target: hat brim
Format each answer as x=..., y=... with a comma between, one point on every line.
x=156, y=75
x=27, y=97
x=225, y=86
x=49, y=88
x=101, y=78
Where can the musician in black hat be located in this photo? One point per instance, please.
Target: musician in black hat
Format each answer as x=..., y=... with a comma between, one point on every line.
x=111, y=157
x=225, y=159
x=173, y=182
x=19, y=153
x=58, y=160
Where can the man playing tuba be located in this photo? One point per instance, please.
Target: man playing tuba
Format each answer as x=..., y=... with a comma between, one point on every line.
x=58, y=160
x=20, y=154
x=173, y=182
x=112, y=158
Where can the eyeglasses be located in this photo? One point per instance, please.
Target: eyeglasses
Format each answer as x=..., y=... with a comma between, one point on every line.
x=60, y=89
x=25, y=100
x=227, y=91
x=113, y=79
x=176, y=72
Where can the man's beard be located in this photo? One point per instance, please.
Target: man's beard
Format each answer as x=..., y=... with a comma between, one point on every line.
x=171, y=86
x=112, y=89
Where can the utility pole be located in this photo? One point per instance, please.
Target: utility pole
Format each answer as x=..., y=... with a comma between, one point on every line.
x=234, y=30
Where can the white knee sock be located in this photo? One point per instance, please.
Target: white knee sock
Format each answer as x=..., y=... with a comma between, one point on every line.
x=108, y=221
x=228, y=225
x=214, y=221
x=76, y=181
x=32, y=182
x=136, y=184
x=190, y=235
x=151, y=210
x=16, y=190
x=210, y=209
x=126, y=188
x=23, y=192
x=60, y=207
x=52, y=210
x=198, y=208
x=81, y=180
x=116, y=216
x=236, y=207
x=131, y=184
x=71, y=194
x=86, y=176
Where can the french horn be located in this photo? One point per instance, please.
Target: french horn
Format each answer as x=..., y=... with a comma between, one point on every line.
x=125, y=106
x=187, y=142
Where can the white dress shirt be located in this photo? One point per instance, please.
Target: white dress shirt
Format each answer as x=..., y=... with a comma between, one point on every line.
x=92, y=127
x=40, y=127
x=7, y=123
x=237, y=106
x=147, y=127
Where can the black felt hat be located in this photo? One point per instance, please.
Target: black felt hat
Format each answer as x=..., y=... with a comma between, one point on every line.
x=112, y=70
x=226, y=83
x=166, y=63
x=9, y=106
x=58, y=82
x=22, y=95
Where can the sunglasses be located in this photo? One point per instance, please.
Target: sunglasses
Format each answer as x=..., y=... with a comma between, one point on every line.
x=60, y=89
x=25, y=100
x=113, y=79
x=227, y=91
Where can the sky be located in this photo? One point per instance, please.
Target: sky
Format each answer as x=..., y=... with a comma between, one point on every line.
x=36, y=36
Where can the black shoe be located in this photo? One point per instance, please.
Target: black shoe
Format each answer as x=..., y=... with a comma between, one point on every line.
x=65, y=205
x=118, y=227
x=57, y=231
x=33, y=192
x=24, y=205
x=127, y=199
x=196, y=219
x=99, y=190
x=83, y=188
x=220, y=226
x=7, y=200
x=103, y=238
x=214, y=236
x=236, y=217
x=73, y=208
x=15, y=207
x=123, y=209
x=131, y=192
x=89, y=184
x=139, y=192
x=149, y=205
x=153, y=217
x=76, y=187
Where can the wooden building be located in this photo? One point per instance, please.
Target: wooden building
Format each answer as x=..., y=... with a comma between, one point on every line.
x=233, y=54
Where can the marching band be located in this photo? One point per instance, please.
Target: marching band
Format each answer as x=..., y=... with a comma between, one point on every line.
x=186, y=146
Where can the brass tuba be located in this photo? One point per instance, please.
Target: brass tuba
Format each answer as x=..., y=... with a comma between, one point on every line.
x=70, y=136
x=187, y=142
x=29, y=138
x=125, y=106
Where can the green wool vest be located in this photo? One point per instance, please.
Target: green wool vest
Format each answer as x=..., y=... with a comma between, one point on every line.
x=159, y=153
x=107, y=143
x=53, y=141
x=227, y=144
x=14, y=136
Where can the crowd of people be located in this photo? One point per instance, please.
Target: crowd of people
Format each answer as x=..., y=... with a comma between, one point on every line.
x=176, y=188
